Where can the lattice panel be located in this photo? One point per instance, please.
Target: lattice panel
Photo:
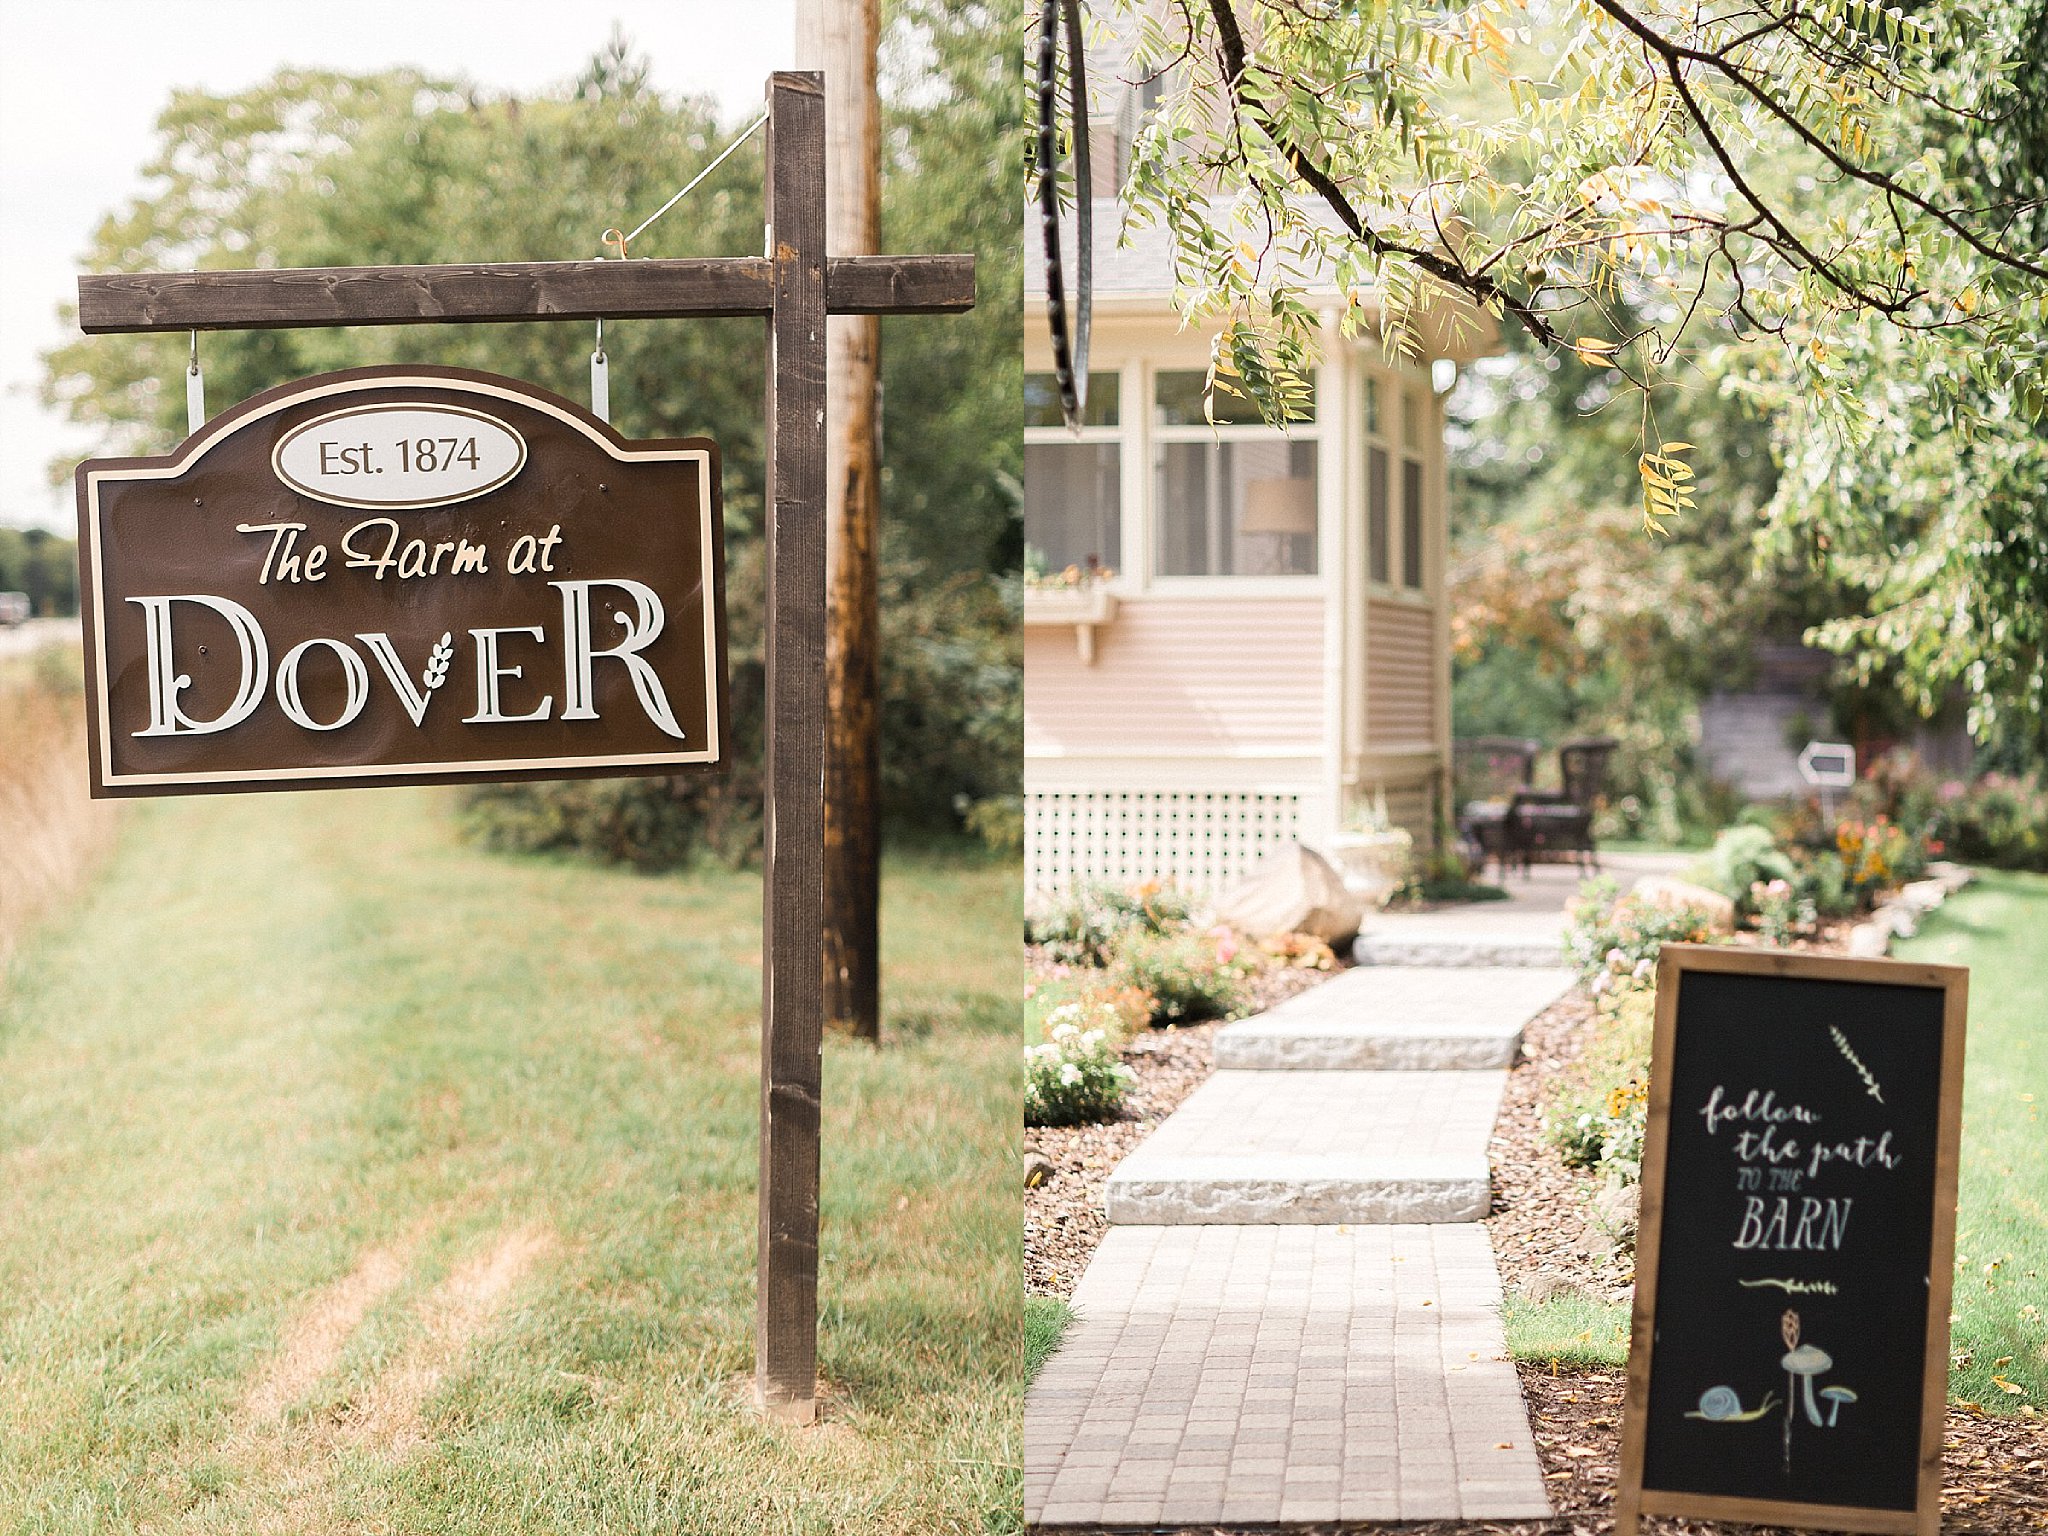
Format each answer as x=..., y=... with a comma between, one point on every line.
x=1201, y=840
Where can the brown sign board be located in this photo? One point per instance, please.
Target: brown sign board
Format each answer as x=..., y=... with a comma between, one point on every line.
x=399, y=575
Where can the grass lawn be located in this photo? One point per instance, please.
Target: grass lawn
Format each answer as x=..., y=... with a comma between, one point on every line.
x=1997, y=928
x=1045, y=1324
x=2000, y=1333
x=354, y=1179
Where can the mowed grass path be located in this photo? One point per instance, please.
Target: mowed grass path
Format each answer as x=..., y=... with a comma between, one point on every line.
x=353, y=1179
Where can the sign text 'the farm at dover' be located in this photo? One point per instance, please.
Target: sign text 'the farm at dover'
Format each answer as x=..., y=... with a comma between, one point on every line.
x=401, y=574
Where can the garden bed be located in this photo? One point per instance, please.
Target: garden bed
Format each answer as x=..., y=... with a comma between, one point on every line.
x=1063, y=1218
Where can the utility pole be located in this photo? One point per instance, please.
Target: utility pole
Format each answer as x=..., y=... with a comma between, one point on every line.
x=839, y=39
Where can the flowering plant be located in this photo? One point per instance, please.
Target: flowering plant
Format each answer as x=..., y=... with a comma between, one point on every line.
x=1040, y=577
x=1073, y=1075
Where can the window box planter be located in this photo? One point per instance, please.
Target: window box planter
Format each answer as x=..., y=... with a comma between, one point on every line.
x=1083, y=607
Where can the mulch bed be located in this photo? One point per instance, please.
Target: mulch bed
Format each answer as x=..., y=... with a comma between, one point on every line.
x=1544, y=1234
x=1995, y=1469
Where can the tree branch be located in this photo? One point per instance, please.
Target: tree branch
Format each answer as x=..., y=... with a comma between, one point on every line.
x=1446, y=270
x=1672, y=53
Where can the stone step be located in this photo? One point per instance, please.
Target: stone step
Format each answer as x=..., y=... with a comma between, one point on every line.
x=1250, y=1376
x=1410, y=1018
x=1461, y=951
x=1259, y=1147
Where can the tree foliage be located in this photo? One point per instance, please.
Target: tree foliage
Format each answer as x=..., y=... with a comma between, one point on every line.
x=1830, y=212
x=37, y=563
x=314, y=168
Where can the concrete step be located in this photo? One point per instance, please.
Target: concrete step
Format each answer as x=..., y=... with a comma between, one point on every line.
x=1262, y=1147
x=1460, y=950
x=1248, y=1376
x=1411, y=1018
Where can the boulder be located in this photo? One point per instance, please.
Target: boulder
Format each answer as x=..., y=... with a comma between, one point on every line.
x=1671, y=893
x=1296, y=890
x=1953, y=877
x=1869, y=941
x=1923, y=895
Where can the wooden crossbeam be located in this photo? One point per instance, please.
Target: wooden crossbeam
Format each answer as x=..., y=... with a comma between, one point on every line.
x=281, y=297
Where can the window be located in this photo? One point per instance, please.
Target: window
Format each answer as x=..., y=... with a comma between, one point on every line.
x=1380, y=567
x=1414, y=414
x=1411, y=523
x=1073, y=482
x=1235, y=499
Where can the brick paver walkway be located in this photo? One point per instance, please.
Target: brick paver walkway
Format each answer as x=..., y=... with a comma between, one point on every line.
x=1260, y=1374
x=1295, y=1317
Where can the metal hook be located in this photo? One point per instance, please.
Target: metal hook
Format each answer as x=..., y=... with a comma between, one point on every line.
x=195, y=391
x=614, y=237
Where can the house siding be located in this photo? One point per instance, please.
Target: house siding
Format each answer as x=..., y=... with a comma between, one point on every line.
x=1400, y=674
x=1220, y=676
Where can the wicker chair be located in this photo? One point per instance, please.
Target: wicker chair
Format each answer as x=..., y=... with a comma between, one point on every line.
x=1546, y=822
x=1490, y=773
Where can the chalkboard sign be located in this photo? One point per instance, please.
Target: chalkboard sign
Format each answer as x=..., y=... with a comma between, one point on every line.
x=1789, y=1360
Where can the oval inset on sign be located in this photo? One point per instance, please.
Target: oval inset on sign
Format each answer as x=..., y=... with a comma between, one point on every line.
x=399, y=455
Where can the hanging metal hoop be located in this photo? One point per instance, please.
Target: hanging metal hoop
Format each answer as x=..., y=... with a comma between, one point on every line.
x=1069, y=363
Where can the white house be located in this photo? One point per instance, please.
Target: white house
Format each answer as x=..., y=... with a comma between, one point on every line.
x=1271, y=655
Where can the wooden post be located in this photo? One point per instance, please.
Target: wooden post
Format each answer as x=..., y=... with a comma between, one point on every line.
x=839, y=37
x=793, y=898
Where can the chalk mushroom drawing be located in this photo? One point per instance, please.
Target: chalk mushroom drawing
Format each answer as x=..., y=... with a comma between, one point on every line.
x=1836, y=1396
x=1803, y=1363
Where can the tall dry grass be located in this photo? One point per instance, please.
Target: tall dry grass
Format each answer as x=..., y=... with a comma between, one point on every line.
x=52, y=833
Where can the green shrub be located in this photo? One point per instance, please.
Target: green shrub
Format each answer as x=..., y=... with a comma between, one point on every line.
x=1609, y=940
x=1191, y=976
x=1085, y=926
x=1073, y=1076
x=1121, y=1010
x=1999, y=820
x=1780, y=910
x=1742, y=857
x=650, y=824
x=1821, y=879
x=1599, y=1122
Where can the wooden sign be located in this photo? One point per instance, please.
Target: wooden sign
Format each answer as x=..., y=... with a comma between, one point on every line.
x=340, y=469
x=401, y=575
x=1789, y=1360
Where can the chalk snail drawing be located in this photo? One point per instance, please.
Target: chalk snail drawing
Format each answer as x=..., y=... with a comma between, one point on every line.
x=1803, y=1365
x=1721, y=1405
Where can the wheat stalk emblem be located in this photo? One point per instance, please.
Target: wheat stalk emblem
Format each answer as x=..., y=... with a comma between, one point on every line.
x=1869, y=1082
x=437, y=662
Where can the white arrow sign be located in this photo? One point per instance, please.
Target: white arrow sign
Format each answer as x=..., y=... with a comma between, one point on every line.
x=1828, y=764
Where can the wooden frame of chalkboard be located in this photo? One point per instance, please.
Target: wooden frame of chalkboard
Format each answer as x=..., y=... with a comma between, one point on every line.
x=1851, y=1026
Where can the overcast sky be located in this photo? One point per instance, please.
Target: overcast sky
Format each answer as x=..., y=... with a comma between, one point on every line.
x=82, y=82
